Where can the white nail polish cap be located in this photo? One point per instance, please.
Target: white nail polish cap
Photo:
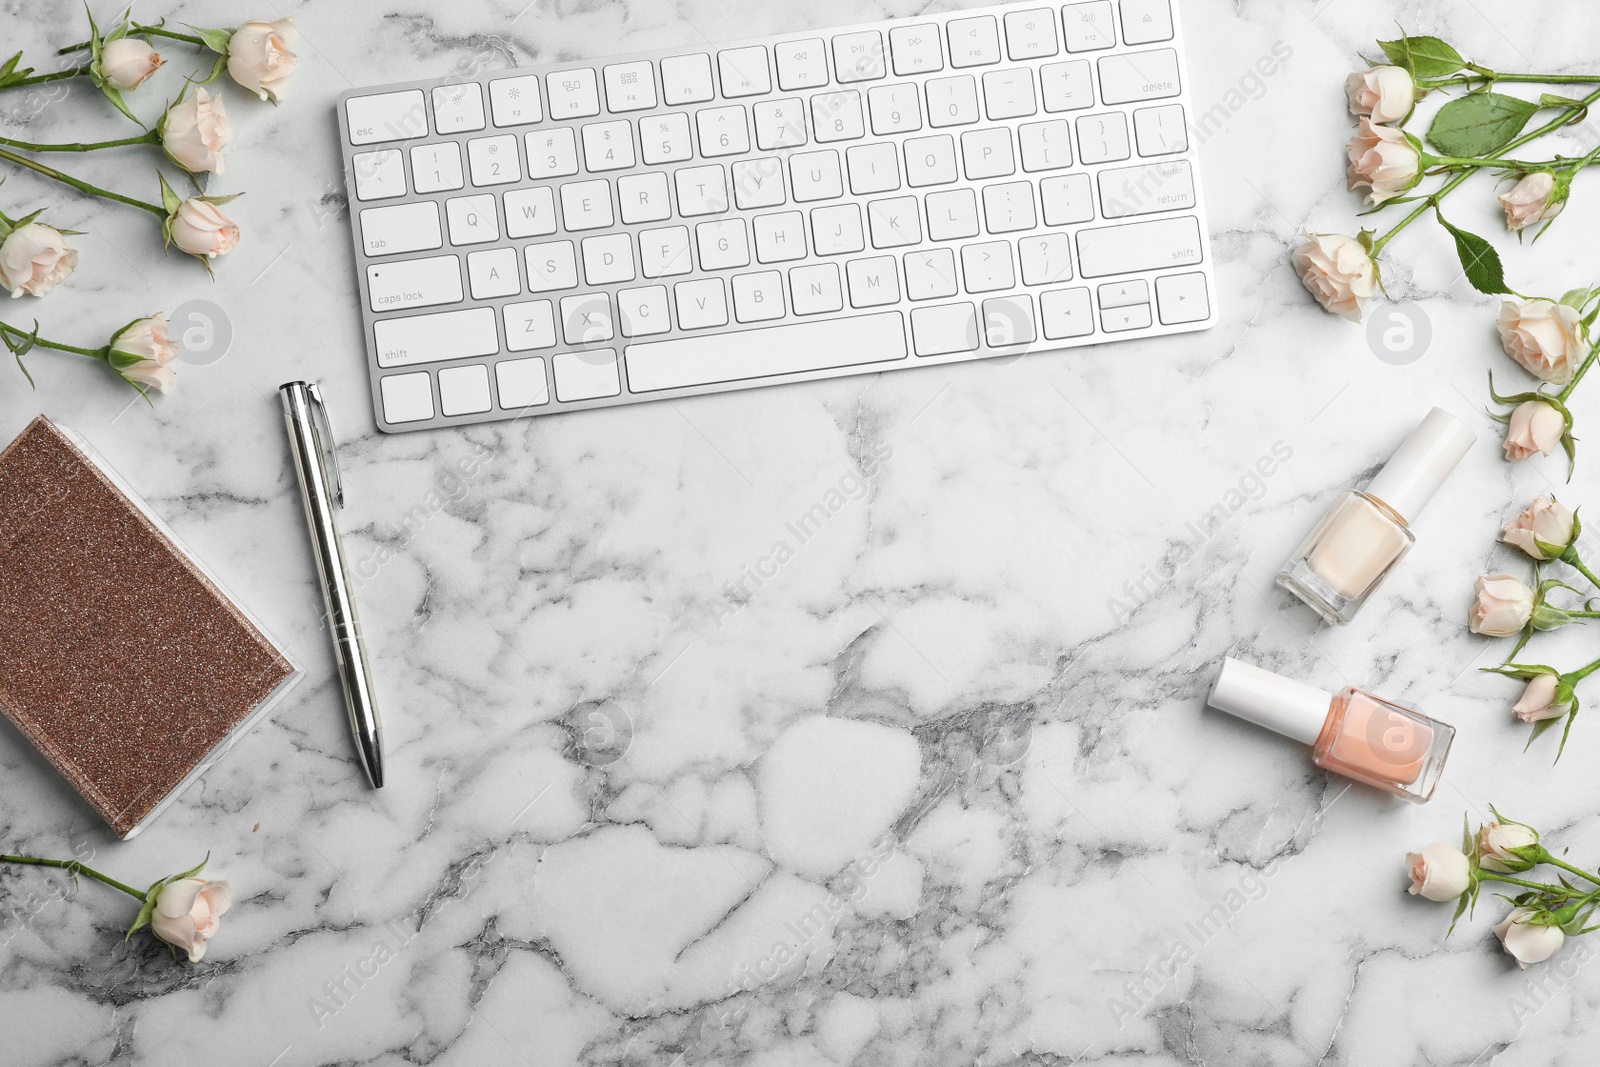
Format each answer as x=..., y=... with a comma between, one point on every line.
x=1281, y=704
x=1422, y=463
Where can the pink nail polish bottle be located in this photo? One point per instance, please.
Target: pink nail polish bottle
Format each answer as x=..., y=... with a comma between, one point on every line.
x=1352, y=732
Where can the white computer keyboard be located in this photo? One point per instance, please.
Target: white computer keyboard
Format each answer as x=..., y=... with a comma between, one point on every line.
x=967, y=185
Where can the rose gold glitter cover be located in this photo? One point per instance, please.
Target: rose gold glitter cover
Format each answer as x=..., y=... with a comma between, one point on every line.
x=121, y=659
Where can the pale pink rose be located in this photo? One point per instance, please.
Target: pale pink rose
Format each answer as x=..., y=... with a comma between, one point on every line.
x=1528, y=944
x=1383, y=160
x=259, y=58
x=1438, y=872
x=188, y=912
x=126, y=62
x=1534, y=427
x=1502, y=606
x=195, y=130
x=201, y=230
x=1546, y=521
x=1497, y=839
x=1383, y=94
x=1529, y=201
x=1548, y=339
x=1535, y=704
x=34, y=259
x=146, y=353
x=1337, y=271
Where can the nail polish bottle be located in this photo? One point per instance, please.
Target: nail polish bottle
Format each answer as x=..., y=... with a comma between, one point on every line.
x=1352, y=732
x=1366, y=531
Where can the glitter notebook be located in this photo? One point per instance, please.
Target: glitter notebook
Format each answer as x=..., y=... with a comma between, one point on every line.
x=121, y=658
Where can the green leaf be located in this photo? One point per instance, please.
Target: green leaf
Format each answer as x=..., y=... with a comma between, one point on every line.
x=172, y=202
x=215, y=39
x=1479, y=260
x=1479, y=125
x=1424, y=57
x=10, y=74
x=151, y=895
x=115, y=96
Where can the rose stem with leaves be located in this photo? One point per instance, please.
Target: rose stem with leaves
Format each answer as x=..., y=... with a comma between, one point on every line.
x=82, y=186
x=54, y=76
x=76, y=868
x=142, y=31
x=151, y=137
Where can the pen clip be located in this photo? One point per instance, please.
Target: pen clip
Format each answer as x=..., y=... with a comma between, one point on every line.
x=325, y=427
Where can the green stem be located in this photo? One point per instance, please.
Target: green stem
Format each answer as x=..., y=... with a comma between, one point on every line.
x=1570, y=558
x=80, y=185
x=92, y=353
x=1577, y=375
x=139, y=31
x=1559, y=163
x=150, y=137
x=54, y=76
x=1582, y=614
x=1546, y=857
x=1496, y=876
x=1494, y=76
x=76, y=868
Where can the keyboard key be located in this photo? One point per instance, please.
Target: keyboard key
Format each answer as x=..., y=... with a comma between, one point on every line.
x=433, y=338
x=641, y=197
x=1088, y=26
x=1146, y=21
x=1045, y=145
x=586, y=205
x=1008, y=94
x=521, y=383
x=1103, y=138
x=436, y=167
x=836, y=230
x=874, y=168
x=1160, y=131
x=630, y=86
x=1123, y=294
x=915, y=49
x=414, y=283
x=1008, y=207
x=574, y=94
x=815, y=176
x=952, y=101
x=530, y=212
x=758, y=182
x=802, y=64
x=665, y=138
x=758, y=297
x=939, y=331
x=1046, y=259
x=1119, y=320
x=873, y=282
x=894, y=222
x=1182, y=298
x=780, y=124
x=587, y=375
x=837, y=116
x=379, y=174
x=701, y=303
x=387, y=231
x=608, y=145
x=472, y=219
x=1008, y=321
x=493, y=160
x=1128, y=191
x=987, y=267
x=407, y=397
x=1139, y=246
x=642, y=312
x=531, y=324
x=744, y=71
x=1066, y=199
x=930, y=160
x=686, y=79
x=930, y=275
x=894, y=108
x=552, y=153
x=493, y=273
x=551, y=266
x=791, y=348
x=722, y=244
x=780, y=237
x=987, y=153
x=858, y=57
x=1031, y=34
x=723, y=131
x=1066, y=86
x=464, y=390
x=701, y=191
x=515, y=101
x=664, y=252
x=814, y=289
x=457, y=109
x=386, y=117
x=608, y=258
x=974, y=42
x=1151, y=75
x=1066, y=313
x=952, y=214
x=586, y=319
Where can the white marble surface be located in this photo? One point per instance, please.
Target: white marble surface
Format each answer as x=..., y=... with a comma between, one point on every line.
x=518, y=894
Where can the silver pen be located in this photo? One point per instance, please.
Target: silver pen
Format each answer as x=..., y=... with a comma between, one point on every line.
x=316, y=461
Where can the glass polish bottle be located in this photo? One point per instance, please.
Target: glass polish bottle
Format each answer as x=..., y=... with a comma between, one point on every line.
x=1366, y=532
x=1352, y=732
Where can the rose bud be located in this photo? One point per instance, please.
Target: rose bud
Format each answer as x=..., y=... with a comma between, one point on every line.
x=1502, y=607
x=1439, y=872
x=259, y=58
x=1498, y=843
x=126, y=62
x=1543, y=530
x=1338, y=271
x=34, y=259
x=1383, y=94
x=187, y=914
x=1528, y=943
x=194, y=131
x=143, y=353
x=1534, y=426
x=1536, y=197
x=1538, y=700
x=1547, y=339
x=1383, y=160
x=199, y=229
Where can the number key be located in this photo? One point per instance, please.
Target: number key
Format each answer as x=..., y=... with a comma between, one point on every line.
x=723, y=130
x=665, y=138
x=894, y=108
x=436, y=167
x=552, y=153
x=837, y=116
x=493, y=160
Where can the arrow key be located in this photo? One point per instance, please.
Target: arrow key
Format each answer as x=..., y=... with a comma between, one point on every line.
x=1182, y=298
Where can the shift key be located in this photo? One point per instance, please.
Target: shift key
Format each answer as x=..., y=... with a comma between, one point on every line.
x=1139, y=246
x=414, y=283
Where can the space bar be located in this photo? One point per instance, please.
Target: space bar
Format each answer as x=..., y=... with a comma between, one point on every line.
x=789, y=349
